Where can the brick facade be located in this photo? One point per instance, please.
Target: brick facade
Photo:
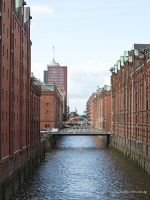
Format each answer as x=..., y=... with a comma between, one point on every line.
x=51, y=106
x=131, y=102
x=35, y=118
x=56, y=74
x=99, y=109
x=90, y=109
x=19, y=125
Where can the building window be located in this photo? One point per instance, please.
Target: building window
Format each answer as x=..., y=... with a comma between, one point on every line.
x=47, y=111
x=2, y=137
x=7, y=32
x=4, y=6
x=4, y=28
x=3, y=71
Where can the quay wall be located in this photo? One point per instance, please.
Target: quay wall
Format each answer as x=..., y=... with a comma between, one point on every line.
x=14, y=181
x=134, y=151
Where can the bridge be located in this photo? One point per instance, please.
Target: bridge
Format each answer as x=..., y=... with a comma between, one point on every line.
x=82, y=131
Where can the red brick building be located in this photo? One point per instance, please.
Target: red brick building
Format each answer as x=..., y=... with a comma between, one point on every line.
x=90, y=109
x=102, y=108
x=51, y=106
x=19, y=97
x=56, y=74
x=35, y=118
x=99, y=109
x=131, y=103
x=15, y=67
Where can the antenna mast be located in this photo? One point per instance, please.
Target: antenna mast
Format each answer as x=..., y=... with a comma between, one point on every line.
x=53, y=53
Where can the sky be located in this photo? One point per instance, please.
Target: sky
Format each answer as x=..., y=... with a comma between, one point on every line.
x=88, y=36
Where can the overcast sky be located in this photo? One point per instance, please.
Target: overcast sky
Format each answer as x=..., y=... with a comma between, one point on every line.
x=89, y=36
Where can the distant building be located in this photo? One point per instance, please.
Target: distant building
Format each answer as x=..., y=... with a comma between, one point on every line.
x=74, y=118
x=102, y=108
x=90, y=109
x=35, y=92
x=68, y=113
x=73, y=114
x=51, y=106
x=56, y=74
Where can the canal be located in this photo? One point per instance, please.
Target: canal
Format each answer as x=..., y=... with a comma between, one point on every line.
x=82, y=167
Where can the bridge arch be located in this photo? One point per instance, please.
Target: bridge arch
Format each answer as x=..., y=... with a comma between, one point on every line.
x=76, y=118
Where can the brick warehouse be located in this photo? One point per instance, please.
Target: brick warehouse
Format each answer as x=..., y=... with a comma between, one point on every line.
x=90, y=109
x=18, y=143
x=131, y=104
x=35, y=119
x=99, y=108
x=102, y=108
x=51, y=106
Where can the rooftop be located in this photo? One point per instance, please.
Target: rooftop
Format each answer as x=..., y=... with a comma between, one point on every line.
x=53, y=63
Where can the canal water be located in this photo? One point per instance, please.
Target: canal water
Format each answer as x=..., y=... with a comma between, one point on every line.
x=82, y=167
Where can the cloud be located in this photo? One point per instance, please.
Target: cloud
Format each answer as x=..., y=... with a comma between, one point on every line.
x=84, y=76
x=37, y=69
x=41, y=9
x=83, y=79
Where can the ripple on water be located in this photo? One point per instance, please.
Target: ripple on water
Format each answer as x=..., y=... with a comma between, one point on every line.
x=83, y=168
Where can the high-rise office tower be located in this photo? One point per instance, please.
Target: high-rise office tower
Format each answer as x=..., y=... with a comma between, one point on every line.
x=56, y=74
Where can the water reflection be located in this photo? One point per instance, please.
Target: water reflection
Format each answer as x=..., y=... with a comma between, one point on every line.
x=81, y=167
